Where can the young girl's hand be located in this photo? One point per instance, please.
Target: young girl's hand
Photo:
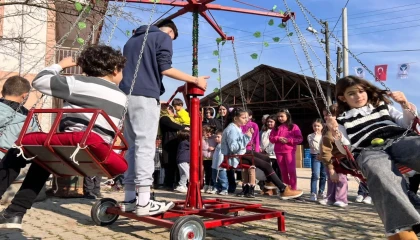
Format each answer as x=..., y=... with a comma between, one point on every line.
x=400, y=98
x=250, y=132
x=333, y=176
x=332, y=125
x=67, y=62
x=210, y=149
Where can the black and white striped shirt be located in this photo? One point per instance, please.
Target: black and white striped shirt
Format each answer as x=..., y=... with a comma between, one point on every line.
x=359, y=126
x=83, y=92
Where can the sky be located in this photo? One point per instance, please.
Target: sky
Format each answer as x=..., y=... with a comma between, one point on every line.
x=373, y=27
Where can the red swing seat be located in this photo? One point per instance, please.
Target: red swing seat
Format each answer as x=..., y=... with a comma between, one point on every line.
x=92, y=155
x=225, y=164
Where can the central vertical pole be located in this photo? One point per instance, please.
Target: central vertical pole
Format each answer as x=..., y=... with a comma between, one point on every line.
x=345, y=45
x=327, y=62
x=193, y=199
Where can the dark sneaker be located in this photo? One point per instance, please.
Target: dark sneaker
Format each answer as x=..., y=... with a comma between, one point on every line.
x=98, y=195
x=11, y=220
x=89, y=196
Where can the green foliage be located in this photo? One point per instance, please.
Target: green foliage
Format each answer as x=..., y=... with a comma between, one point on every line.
x=281, y=12
x=127, y=32
x=216, y=53
x=276, y=39
x=271, y=22
x=254, y=56
x=78, y=6
x=214, y=70
x=156, y=1
x=282, y=25
x=216, y=90
x=266, y=44
x=80, y=40
x=257, y=34
x=88, y=8
x=217, y=99
x=274, y=7
x=81, y=25
x=218, y=40
x=290, y=34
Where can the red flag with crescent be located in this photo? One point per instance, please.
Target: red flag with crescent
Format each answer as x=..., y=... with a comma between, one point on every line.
x=380, y=72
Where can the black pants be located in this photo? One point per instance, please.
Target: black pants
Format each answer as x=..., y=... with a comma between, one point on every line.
x=231, y=180
x=263, y=162
x=207, y=173
x=92, y=185
x=34, y=181
x=414, y=183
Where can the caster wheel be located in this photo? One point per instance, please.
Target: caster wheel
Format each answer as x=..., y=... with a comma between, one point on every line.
x=188, y=228
x=98, y=212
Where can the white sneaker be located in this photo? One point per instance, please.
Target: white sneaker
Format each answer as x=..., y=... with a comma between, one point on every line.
x=212, y=191
x=340, y=204
x=313, y=197
x=205, y=189
x=128, y=206
x=359, y=198
x=181, y=189
x=367, y=200
x=321, y=196
x=154, y=208
x=325, y=202
x=224, y=193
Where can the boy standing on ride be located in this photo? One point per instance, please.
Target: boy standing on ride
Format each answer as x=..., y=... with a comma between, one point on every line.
x=141, y=125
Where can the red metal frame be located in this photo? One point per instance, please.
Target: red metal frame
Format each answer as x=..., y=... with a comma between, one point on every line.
x=204, y=5
x=59, y=114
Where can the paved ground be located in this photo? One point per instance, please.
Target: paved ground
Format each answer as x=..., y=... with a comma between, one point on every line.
x=64, y=219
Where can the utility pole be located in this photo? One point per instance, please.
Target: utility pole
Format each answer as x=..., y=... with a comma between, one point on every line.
x=345, y=44
x=326, y=41
x=339, y=68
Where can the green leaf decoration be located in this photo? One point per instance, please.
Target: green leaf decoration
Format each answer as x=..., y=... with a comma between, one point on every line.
x=274, y=7
x=223, y=43
x=281, y=12
x=214, y=70
x=88, y=9
x=216, y=53
x=218, y=40
x=217, y=98
x=78, y=6
x=276, y=39
x=80, y=40
x=155, y=1
x=282, y=25
x=271, y=22
x=290, y=34
x=254, y=56
x=266, y=44
x=219, y=60
x=257, y=34
x=81, y=25
x=216, y=90
x=218, y=79
x=127, y=32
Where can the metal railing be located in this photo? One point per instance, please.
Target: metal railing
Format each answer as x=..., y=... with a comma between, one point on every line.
x=64, y=52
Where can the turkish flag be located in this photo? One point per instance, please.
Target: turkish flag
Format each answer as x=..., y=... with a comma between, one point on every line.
x=380, y=72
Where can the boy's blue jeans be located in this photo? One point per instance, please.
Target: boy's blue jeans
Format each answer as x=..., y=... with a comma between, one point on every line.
x=318, y=172
x=388, y=189
x=220, y=181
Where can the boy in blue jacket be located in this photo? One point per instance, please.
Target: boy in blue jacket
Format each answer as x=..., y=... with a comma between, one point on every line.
x=141, y=125
x=12, y=117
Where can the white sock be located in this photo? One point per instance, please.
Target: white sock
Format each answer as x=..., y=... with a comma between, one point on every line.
x=129, y=195
x=143, y=195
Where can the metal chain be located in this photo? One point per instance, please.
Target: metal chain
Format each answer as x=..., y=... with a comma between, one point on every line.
x=371, y=73
x=137, y=67
x=301, y=69
x=241, y=88
x=219, y=59
x=320, y=43
x=303, y=43
x=119, y=13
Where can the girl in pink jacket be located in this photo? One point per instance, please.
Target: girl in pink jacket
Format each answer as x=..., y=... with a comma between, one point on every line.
x=285, y=137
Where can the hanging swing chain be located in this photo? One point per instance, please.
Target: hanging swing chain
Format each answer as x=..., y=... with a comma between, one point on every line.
x=303, y=43
x=320, y=43
x=301, y=69
x=137, y=67
x=219, y=59
x=241, y=88
x=119, y=13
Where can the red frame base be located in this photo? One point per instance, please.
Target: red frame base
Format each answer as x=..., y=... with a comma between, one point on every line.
x=217, y=209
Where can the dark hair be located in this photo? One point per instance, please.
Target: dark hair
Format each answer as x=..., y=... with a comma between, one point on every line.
x=183, y=135
x=375, y=94
x=318, y=120
x=209, y=128
x=168, y=23
x=219, y=132
x=177, y=102
x=224, y=121
x=15, y=86
x=236, y=112
x=272, y=117
x=288, y=122
x=100, y=60
x=333, y=109
x=249, y=112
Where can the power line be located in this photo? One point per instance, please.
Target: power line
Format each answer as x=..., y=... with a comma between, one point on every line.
x=339, y=17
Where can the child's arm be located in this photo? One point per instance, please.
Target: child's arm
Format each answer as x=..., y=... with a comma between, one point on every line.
x=311, y=141
x=297, y=137
x=168, y=122
x=183, y=116
x=404, y=118
x=237, y=143
x=50, y=82
x=257, y=138
x=274, y=138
